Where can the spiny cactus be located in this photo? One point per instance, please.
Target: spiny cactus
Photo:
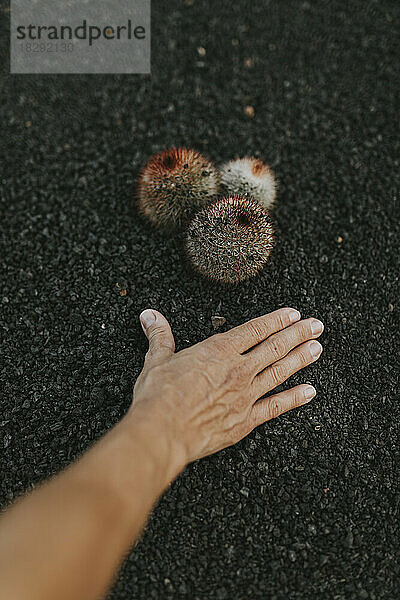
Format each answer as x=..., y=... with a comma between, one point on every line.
x=174, y=184
x=230, y=240
x=249, y=177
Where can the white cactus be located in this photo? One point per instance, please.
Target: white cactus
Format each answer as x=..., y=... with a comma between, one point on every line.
x=249, y=177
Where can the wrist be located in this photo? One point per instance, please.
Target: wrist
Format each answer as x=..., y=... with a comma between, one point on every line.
x=130, y=467
x=158, y=440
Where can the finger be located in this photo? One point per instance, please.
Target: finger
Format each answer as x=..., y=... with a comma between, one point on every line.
x=159, y=334
x=257, y=330
x=279, y=344
x=269, y=408
x=277, y=373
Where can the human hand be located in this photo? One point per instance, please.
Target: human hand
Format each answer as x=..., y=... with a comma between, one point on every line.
x=210, y=396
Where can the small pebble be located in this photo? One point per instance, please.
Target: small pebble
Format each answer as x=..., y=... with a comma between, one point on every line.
x=217, y=322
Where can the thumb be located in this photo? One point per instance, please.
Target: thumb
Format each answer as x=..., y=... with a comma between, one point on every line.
x=159, y=334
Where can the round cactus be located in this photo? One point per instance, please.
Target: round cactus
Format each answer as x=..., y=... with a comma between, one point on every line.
x=230, y=240
x=249, y=177
x=174, y=184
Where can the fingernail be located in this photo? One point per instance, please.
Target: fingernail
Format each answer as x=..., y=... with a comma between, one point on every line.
x=315, y=349
x=147, y=318
x=309, y=392
x=316, y=326
x=294, y=315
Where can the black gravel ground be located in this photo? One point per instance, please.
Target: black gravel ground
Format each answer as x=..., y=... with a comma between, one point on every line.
x=307, y=506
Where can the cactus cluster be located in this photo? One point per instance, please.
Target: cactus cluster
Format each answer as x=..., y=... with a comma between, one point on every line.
x=229, y=231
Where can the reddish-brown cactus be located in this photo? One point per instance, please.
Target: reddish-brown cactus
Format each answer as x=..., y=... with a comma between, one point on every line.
x=174, y=184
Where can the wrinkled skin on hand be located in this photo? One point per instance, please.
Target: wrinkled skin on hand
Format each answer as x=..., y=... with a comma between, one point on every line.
x=212, y=395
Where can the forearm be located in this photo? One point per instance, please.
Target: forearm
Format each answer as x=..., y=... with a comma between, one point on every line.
x=67, y=538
